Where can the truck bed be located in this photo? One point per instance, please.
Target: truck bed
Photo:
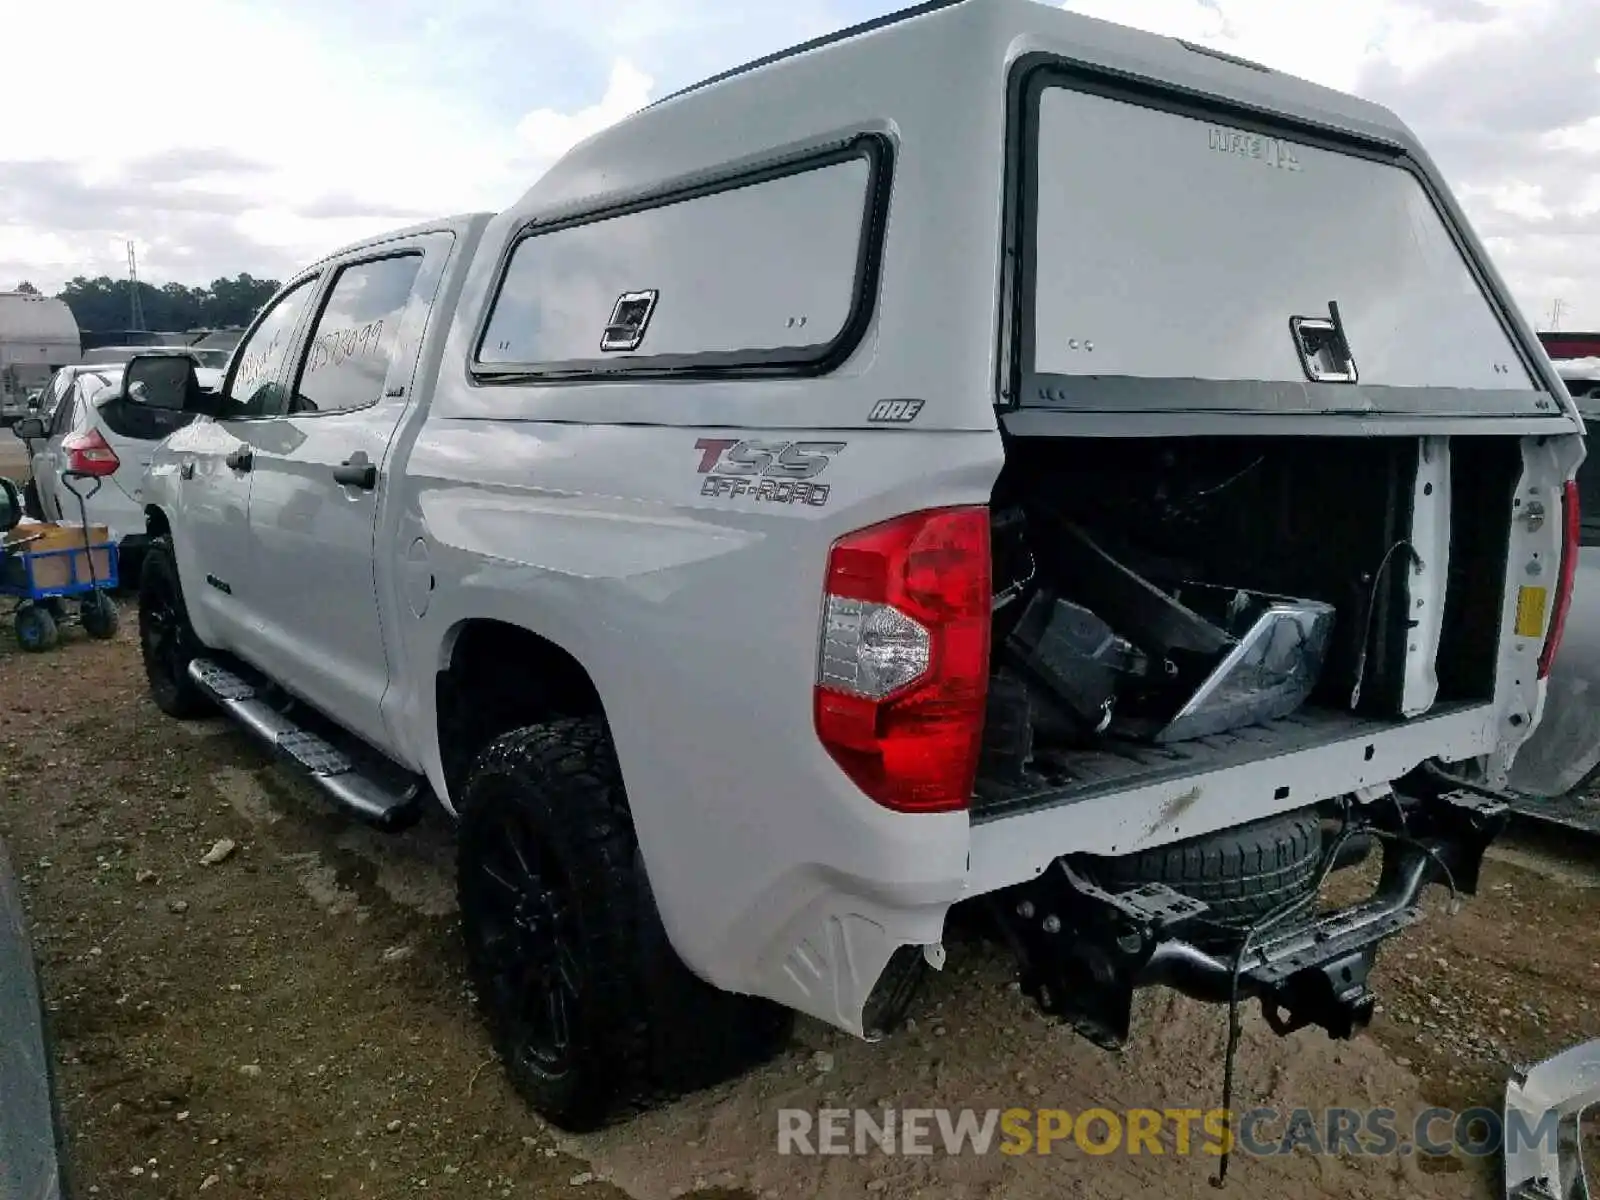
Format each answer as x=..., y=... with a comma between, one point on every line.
x=1064, y=777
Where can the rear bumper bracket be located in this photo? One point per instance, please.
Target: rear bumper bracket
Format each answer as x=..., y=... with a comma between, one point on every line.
x=1085, y=951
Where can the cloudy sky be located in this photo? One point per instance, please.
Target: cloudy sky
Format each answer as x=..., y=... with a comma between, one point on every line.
x=253, y=135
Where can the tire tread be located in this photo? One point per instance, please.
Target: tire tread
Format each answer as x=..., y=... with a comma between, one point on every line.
x=1242, y=873
x=641, y=1048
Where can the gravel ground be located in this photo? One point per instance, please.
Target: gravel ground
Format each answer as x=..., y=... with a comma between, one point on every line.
x=291, y=1017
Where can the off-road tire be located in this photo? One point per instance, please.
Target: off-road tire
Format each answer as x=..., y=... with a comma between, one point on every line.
x=166, y=665
x=642, y=1027
x=1242, y=873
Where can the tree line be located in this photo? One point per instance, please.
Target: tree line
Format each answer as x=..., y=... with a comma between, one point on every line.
x=102, y=305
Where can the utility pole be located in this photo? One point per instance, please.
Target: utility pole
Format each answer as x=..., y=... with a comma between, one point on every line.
x=1557, y=307
x=135, y=305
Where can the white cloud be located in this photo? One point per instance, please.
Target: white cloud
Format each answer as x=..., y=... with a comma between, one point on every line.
x=337, y=150
x=548, y=133
x=1319, y=40
x=228, y=135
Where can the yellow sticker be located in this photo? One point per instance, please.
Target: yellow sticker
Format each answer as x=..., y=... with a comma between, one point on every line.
x=1531, y=604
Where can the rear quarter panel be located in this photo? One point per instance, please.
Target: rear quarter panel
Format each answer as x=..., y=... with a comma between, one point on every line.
x=697, y=614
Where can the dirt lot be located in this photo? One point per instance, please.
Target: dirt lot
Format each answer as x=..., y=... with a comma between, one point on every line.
x=294, y=1022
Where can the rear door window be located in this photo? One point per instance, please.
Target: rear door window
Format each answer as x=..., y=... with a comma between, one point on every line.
x=1164, y=248
x=59, y=383
x=66, y=411
x=347, y=356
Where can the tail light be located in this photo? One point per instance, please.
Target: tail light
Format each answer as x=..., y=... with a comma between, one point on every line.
x=903, y=670
x=90, y=454
x=1570, y=524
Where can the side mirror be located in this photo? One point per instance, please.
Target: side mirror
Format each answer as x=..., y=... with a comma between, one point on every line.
x=160, y=381
x=29, y=429
x=10, y=505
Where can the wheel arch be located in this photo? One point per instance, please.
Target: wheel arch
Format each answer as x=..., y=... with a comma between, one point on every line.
x=156, y=522
x=492, y=676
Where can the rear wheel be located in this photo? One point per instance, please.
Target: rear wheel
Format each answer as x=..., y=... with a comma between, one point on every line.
x=167, y=641
x=36, y=629
x=590, y=1010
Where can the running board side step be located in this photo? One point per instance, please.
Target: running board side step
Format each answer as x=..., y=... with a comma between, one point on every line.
x=374, y=801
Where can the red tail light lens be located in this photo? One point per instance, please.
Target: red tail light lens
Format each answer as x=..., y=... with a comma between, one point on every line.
x=90, y=454
x=1571, y=516
x=903, y=670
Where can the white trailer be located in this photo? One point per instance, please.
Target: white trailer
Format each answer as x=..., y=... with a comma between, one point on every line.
x=38, y=334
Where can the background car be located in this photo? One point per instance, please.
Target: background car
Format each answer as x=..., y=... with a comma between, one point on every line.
x=117, y=355
x=94, y=430
x=62, y=384
x=213, y=358
x=49, y=396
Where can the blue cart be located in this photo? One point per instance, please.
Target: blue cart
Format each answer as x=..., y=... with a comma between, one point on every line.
x=43, y=581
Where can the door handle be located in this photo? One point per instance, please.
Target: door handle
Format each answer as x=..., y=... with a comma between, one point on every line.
x=241, y=458
x=357, y=472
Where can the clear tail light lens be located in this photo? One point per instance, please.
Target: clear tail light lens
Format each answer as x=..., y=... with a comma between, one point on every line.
x=903, y=668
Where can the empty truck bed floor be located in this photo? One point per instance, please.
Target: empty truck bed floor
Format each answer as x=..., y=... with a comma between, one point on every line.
x=1119, y=764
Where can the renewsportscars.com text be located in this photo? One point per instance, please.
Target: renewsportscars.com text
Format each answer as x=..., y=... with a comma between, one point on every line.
x=1261, y=1132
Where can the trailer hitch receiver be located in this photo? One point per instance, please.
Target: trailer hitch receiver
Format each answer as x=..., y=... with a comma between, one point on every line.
x=1084, y=951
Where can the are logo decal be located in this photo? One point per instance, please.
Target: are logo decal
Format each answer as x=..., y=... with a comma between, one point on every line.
x=769, y=472
x=895, y=412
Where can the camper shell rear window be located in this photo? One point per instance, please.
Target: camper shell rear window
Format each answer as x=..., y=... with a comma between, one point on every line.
x=771, y=271
x=1175, y=255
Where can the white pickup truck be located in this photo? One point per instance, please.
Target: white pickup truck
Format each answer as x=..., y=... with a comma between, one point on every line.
x=986, y=456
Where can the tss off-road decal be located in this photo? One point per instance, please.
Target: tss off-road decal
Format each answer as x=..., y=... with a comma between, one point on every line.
x=774, y=472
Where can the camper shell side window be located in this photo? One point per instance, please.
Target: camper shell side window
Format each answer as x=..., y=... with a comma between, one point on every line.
x=764, y=272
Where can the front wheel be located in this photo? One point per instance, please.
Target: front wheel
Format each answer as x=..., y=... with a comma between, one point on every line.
x=36, y=628
x=167, y=641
